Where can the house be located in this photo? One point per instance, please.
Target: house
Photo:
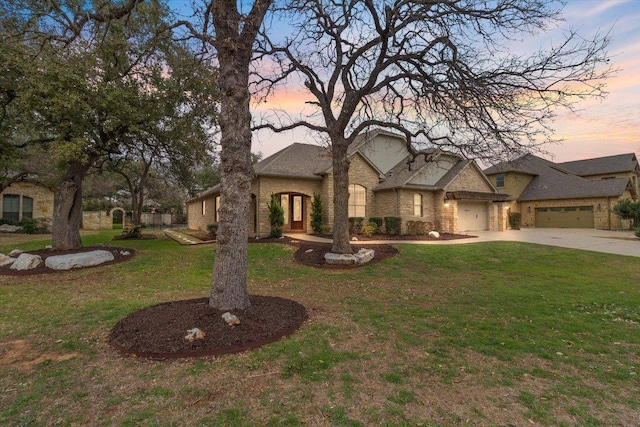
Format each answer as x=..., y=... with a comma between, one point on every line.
x=447, y=192
x=26, y=199
x=577, y=194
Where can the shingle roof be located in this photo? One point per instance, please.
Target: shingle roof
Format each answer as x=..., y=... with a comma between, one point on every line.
x=527, y=164
x=603, y=165
x=296, y=160
x=400, y=175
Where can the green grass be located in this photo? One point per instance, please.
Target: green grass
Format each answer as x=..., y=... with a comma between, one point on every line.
x=479, y=334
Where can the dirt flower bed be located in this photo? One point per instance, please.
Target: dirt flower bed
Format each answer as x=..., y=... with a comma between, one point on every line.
x=159, y=331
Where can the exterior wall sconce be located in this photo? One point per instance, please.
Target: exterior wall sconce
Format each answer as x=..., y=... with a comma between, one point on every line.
x=599, y=207
x=446, y=205
x=529, y=209
x=506, y=208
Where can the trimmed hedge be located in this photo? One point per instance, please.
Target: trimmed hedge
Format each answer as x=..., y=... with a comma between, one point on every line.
x=392, y=225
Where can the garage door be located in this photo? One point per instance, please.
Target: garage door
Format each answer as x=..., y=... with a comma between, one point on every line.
x=472, y=216
x=567, y=217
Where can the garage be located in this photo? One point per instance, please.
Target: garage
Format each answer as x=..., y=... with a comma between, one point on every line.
x=472, y=216
x=565, y=217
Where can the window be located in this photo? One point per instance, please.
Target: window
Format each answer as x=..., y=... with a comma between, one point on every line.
x=417, y=204
x=357, y=201
x=217, y=207
x=11, y=207
x=204, y=207
x=284, y=203
x=500, y=180
x=27, y=207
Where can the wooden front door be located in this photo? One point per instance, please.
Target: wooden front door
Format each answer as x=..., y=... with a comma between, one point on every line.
x=297, y=212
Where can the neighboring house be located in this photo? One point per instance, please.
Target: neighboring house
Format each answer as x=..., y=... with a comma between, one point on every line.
x=578, y=194
x=448, y=193
x=26, y=199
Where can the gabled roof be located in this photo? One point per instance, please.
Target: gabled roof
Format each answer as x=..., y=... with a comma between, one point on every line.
x=559, y=181
x=603, y=165
x=401, y=175
x=296, y=161
x=527, y=164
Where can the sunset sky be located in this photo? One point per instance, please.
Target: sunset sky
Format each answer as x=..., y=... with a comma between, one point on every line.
x=599, y=128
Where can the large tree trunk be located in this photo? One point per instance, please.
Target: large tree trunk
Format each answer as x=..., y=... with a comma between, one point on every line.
x=340, y=196
x=229, y=282
x=67, y=209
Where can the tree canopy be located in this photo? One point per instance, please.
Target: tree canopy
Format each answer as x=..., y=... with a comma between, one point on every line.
x=444, y=74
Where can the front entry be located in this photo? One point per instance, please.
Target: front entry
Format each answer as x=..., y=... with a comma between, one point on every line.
x=297, y=212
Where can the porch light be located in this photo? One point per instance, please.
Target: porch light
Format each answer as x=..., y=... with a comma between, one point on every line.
x=446, y=205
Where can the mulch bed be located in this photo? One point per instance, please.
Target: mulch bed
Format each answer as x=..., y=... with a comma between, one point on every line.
x=45, y=253
x=159, y=331
x=312, y=254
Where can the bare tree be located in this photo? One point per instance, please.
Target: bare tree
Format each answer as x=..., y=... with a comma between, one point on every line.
x=232, y=33
x=439, y=72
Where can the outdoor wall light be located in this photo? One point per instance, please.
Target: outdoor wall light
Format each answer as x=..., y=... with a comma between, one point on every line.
x=446, y=205
x=599, y=206
x=529, y=209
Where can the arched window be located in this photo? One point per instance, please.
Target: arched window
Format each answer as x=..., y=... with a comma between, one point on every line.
x=417, y=204
x=357, y=201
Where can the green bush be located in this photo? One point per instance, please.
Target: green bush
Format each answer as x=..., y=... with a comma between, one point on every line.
x=416, y=228
x=392, y=225
x=276, y=216
x=33, y=226
x=637, y=232
x=355, y=225
x=316, y=214
x=377, y=222
x=212, y=229
x=515, y=218
x=627, y=209
x=368, y=230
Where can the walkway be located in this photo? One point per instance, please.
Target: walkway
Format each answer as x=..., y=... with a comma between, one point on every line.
x=606, y=241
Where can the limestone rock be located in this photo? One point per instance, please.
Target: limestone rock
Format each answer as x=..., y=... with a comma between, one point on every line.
x=354, y=239
x=82, y=259
x=194, y=334
x=16, y=252
x=308, y=251
x=434, y=234
x=361, y=257
x=231, y=319
x=125, y=253
x=26, y=262
x=6, y=228
x=6, y=260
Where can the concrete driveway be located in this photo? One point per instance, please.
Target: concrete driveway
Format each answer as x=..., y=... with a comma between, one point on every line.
x=612, y=242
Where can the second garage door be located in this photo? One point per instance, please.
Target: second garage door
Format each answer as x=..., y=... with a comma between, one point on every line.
x=472, y=216
x=565, y=217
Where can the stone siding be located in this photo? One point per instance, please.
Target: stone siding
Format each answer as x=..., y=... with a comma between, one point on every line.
x=264, y=187
x=196, y=219
x=42, y=198
x=362, y=173
x=470, y=179
x=97, y=220
x=386, y=204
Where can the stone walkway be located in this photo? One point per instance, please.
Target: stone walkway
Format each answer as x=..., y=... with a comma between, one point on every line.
x=183, y=239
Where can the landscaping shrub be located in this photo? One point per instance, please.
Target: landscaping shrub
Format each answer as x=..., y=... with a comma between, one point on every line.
x=368, y=230
x=627, y=209
x=377, y=222
x=392, y=225
x=325, y=230
x=276, y=216
x=212, y=229
x=33, y=226
x=515, y=219
x=416, y=228
x=316, y=214
x=637, y=232
x=355, y=225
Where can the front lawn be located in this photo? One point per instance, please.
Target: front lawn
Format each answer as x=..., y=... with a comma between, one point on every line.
x=484, y=334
